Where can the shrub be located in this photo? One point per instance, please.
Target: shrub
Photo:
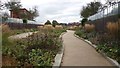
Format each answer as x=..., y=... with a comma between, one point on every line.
x=43, y=41
x=8, y=61
x=73, y=27
x=76, y=27
x=113, y=52
x=39, y=27
x=42, y=48
x=58, y=27
x=83, y=21
x=6, y=32
x=48, y=27
x=5, y=29
x=38, y=49
x=9, y=47
x=80, y=26
x=80, y=33
x=40, y=57
x=25, y=21
x=113, y=28
x=89, y=28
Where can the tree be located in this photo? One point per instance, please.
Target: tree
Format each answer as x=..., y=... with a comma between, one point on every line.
x=14, y=6
x=34, y=12
x=25, y=21
x=48, y=22
x=24, y=16
x=85, y=12
x=1, y=5
x=54, y=23
x=5, y=17
x=83, y=21
x=6, y=14
x=90, y=9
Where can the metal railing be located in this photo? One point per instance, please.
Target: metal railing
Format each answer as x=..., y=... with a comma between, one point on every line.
x=110, y=12
x=109, y=9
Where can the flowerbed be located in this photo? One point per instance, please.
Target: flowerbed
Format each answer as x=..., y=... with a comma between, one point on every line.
x=38, y=49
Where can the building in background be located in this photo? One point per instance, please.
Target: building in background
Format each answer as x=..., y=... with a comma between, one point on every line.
x=23, y=13
x=74, y=24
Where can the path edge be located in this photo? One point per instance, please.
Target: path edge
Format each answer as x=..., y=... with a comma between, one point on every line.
x=114, y=62
x=59, y=56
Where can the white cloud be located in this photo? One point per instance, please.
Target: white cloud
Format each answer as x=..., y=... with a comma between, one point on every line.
x=62, y=11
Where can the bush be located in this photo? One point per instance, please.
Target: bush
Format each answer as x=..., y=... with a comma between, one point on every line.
x=81, y=33
x=43, y=41
x=5, y=33
x=40, y=57
x=83, y=21
x=89, y=28
x=113, y=52
x=39, y=27
x=74, y=27
x=58, y=27
x=113, y=29
x=48, y=27
x=6, y=29
x=10, y=50
x=38, y=49
x=25, y=21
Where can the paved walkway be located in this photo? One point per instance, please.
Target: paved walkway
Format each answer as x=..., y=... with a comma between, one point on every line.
x=23, y=35
x=79, y=53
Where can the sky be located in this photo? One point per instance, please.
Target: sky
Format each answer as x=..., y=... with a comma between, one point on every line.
x=64, y=11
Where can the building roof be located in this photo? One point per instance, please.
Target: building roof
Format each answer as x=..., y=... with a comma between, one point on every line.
x=23, y=9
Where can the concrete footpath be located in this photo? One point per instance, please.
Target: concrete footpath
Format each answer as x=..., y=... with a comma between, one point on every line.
x=22, y=35
x=80, y=53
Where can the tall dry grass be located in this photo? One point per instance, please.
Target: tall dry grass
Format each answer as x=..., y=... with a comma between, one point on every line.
x=89, y=27
x=45, y=28
x=73, y=27
x=40, y=27
x=5, y=29
x=80, y=26
x=58, y=27
x=48, y=27
x=113, y=28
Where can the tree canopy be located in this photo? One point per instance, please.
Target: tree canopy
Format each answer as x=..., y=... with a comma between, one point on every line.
x=54, y=23
x=48, y=22
x=90, y=9
x=5, y=17
x=16, y=6
x=83, y=21
x=34, y=12
x=1, y=5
